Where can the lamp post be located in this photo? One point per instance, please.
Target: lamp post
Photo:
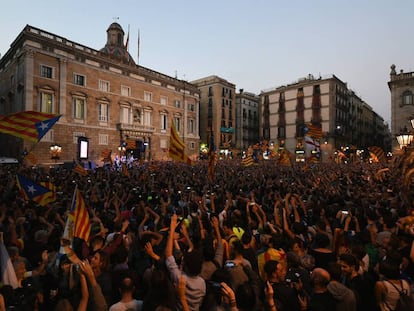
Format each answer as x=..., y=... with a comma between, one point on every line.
x=404, y=138
x=55, y=151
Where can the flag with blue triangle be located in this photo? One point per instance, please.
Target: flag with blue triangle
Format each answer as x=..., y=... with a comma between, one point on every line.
x=29, y=125
x=32, y=191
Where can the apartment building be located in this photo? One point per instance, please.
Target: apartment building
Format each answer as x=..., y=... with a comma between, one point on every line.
x=325, y=102
x=217, y=112
x=247, y=119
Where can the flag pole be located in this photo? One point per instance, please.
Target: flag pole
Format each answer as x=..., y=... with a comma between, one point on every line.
x=67, y=231
x=138, y=47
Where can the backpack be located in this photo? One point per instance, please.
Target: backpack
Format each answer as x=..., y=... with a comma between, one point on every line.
x=405, y=302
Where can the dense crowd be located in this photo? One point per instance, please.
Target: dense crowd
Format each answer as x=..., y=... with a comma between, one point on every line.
x=164, y=237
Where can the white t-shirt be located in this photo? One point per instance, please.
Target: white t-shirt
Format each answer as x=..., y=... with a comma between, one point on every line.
x=133, y=305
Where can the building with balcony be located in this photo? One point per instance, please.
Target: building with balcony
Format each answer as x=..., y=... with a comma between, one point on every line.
x=101, y=94
x=247, y=119
x=401, y=86
x=217, y=112
x=324, y=102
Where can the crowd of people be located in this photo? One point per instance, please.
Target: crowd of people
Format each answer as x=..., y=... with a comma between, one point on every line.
x=164, y=237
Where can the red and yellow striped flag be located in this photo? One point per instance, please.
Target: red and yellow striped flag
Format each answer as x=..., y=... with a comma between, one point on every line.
x=80, y=170
x=80, y=217
x=176, y=149
x=377, y=154
x=248, y=160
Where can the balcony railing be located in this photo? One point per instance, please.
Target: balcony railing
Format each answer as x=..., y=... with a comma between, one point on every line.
x=135, y=127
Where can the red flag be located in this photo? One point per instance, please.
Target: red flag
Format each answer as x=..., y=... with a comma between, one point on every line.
x=79, y=214
x=29, y=125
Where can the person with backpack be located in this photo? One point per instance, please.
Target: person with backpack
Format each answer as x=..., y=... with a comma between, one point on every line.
x=392, y=292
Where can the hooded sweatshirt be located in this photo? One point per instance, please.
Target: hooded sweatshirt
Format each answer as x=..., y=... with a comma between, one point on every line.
x=344, y=296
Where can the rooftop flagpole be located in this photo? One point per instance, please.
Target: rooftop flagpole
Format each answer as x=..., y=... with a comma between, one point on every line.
x=138, y=47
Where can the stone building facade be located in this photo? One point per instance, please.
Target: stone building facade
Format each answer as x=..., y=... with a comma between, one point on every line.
x=401, y=86
x=325, y=102
x=217, y=112
x=101, y=94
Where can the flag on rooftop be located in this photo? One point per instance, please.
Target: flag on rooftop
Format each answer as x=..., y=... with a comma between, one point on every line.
x=32, y=191
x=176, y=150
x=127, y=41
x=29, y=125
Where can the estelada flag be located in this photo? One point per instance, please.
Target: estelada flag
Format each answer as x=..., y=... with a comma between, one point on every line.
x=313, y=131
x=29, y=125
x=32, y=191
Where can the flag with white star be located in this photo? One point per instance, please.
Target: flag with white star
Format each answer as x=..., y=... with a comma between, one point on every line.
x=29, y=125
x=30, y=190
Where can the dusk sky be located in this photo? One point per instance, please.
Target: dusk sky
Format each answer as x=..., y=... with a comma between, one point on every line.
x=256, y=45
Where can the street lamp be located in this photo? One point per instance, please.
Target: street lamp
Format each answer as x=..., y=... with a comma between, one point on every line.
x=404, y=138
x=55, y=151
